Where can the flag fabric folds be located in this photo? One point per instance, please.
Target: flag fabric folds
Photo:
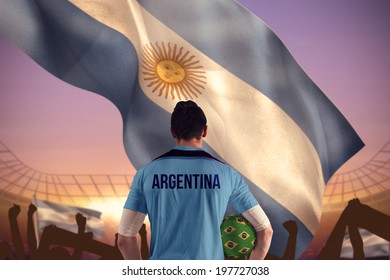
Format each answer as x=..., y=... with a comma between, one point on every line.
x=63, y=216
x=266, y=118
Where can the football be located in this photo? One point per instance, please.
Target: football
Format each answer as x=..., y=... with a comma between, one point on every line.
x=238, y=236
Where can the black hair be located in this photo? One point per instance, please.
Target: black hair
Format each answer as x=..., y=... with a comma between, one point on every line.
x=188, y=120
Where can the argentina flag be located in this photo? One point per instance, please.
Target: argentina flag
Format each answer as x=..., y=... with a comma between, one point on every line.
x=266, y=118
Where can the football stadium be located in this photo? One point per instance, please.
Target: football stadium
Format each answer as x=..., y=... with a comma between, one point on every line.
x=100, y=198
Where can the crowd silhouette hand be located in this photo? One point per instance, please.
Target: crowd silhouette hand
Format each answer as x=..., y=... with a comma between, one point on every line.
x=31, y=210
x=14, y=211
x=51, y=229
x=81, y=223
x=291, y=227
x=354, y=202
x=81, y=220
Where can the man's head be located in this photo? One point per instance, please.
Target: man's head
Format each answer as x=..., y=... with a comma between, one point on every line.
x=188, y=121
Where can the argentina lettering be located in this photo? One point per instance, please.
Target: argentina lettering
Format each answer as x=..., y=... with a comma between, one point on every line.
x=186, y=181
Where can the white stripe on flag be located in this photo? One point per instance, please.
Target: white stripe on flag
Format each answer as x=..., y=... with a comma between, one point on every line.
x=64, y=217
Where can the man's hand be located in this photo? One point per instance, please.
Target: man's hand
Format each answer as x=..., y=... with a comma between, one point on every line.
x=128, y=246
x=263, y=242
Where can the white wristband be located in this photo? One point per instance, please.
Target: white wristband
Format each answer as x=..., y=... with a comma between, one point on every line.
x=257, y=218
x=131, y=222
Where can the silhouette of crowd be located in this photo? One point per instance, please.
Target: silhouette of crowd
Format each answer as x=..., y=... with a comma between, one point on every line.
x=356, y=215
x=58, y=244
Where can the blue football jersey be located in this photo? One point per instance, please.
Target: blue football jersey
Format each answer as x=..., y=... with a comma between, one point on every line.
x=185, y=193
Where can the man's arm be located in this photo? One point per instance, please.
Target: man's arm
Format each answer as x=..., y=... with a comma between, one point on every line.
x=263, y=242
x=260, y=222
x=128, y=246
x=129, y=227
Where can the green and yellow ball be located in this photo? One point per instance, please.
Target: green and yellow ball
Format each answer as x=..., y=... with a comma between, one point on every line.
x=238, y=236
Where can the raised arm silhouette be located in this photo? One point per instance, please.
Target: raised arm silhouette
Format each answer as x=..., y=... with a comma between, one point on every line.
x=355, y=215
x=31, y=237
x=13, y=214
x=289, y=252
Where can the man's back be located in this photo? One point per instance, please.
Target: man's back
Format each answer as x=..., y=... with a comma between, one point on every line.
x=185, y=193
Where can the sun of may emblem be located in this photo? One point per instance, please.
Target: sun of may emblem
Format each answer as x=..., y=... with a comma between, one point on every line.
x=172, y=71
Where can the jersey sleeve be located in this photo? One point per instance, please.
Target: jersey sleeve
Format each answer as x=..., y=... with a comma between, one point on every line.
x=136, y=199
x=241, y=199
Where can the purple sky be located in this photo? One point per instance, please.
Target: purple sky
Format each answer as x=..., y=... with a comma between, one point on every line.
x=342, y=45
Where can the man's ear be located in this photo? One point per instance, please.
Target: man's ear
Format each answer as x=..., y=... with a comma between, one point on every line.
x=204, y=134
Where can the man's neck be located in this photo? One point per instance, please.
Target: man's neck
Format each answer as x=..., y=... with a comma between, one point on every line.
x=197, y=143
